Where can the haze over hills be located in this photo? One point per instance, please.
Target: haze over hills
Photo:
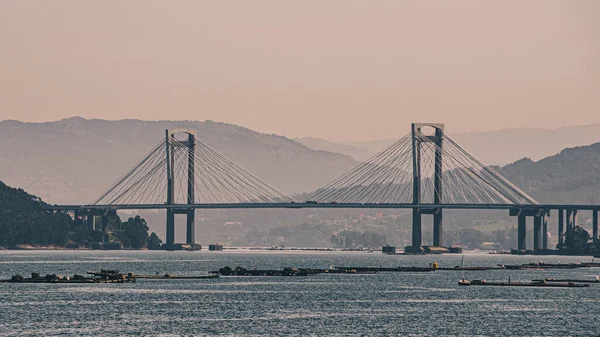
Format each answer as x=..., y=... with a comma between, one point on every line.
x=492, y=147
x=356, y=152
x=75, y=160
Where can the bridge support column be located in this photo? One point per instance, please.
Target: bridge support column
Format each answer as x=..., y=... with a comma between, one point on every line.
x=191, y=213
x=544, y=232
x=105, y=227
x=91, y=221
x=522, y=232
x=170, y=239
x=437, y=188
x=170, y=242
x=190, y=238
x=416, y=218
x=537, y=233
x=437, y=228
x=571, y=216
x=416, y=228
x=595, y=225
x=561, y=228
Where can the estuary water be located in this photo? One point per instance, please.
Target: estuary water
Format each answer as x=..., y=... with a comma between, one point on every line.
x=400, y=304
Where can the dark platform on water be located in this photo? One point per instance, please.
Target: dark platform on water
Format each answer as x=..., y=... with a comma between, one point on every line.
x=567, y=280
x=521, y=284
x=388, y=269
x=176, y=277
x=103, y=276
x=239, y=271
x=415, y=269
x=543, y=265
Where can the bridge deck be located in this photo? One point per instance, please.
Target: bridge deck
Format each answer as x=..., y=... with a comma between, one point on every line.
x=298, y=205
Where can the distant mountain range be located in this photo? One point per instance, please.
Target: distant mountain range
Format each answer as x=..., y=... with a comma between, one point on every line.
x=75, y=160
x=572, y=176
x=356, y=152
x=492, y=147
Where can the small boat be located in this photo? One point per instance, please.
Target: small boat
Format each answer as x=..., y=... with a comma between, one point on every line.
x=464, y=282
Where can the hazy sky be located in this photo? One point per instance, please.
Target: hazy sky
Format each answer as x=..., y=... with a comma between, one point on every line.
x=334, y=69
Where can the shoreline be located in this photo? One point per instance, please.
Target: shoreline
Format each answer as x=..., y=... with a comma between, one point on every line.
x=33, y=248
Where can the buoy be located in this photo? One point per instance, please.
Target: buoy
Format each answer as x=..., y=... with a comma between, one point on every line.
x=435, y=265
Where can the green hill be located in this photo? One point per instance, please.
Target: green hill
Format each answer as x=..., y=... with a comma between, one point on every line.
x=22, y=221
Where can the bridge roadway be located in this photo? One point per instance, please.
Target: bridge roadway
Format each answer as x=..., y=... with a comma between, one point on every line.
x=300, y=205
x=538, y=212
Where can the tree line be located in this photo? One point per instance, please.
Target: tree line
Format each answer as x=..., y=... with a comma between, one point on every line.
x=24, y=221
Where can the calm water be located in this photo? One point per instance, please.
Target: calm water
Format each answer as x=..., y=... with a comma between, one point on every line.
x=383, y=304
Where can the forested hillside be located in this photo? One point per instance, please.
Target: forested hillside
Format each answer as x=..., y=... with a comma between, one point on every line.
x=22, y=221
x=571, y=176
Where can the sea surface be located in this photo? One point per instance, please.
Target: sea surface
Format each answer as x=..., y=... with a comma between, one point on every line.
x=398, y=304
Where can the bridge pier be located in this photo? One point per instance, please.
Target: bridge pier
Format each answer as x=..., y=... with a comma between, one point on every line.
x=545, y=232
x=522, y=232
x=416, y=228
x=437, y=228
x=595, y=225
x=105, y=227
x=191, y=227
x=90, y=221
x=571, y=222
x=561, y=227
x=537, y=233
x=170, y=240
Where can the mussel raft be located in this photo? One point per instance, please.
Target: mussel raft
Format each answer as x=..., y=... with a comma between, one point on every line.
x=103, y=276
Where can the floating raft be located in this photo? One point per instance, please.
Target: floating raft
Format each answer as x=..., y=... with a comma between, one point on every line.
x=103, y=276
x=543, y=265
x=567, y=280
x=176, y=277
x=464, y=282
x=239, y=271
x=414, y=269
x=392, y=269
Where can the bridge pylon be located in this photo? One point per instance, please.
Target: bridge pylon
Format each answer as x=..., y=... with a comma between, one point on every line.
x=417, y=140
x=429, y=171
x=170, y=149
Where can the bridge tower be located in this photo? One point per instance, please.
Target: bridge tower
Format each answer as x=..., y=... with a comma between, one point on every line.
x=437, y=138
x=190, y=199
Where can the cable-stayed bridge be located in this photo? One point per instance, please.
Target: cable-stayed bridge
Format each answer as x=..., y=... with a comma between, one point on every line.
x=425, y=171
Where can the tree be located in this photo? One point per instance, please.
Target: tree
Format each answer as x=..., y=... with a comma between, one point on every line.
x=153, y=242
x=576, y=242
x=135, y=233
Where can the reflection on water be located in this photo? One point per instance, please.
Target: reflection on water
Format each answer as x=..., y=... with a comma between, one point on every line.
x=326, y=304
